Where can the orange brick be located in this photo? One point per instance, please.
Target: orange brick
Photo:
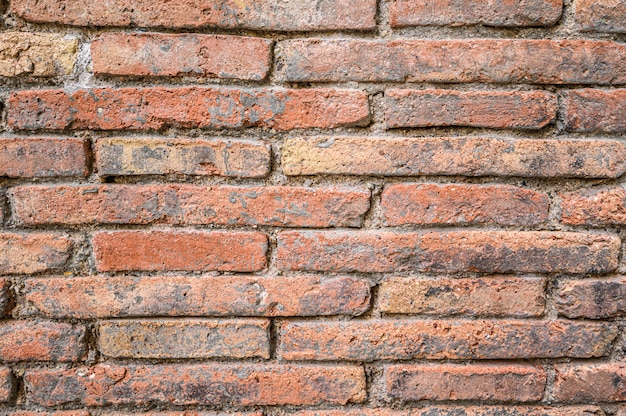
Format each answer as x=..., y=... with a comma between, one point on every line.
x=33, y=253
x=590, y=383
x=592, y=298
x=599, y=207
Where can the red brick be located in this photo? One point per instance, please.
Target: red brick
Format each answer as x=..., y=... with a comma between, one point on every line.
x=104, y=297
x=527, y=110
x=594, y=207
x=467, y=156
x=434, y=410
x=465, y=251
x=208, y=384
x=7, y=384
x=40, y=158
x=589, y=110
x=601, y=15
x=489, y=296
x=431, y=204
x=291, y=15
x=503, y=61
x=180, y=250
x=515, y=13
x=185, y=338
x=154, y=54
x=41, y=341
x=186, y=413
x=593, y=299
x=5, y=296
x=438, y=340
x=494, y=383
x=155, y=156
x=58, y=413
x=190, y=205
x=158, y=108
x=33, y=253
x=590, y=383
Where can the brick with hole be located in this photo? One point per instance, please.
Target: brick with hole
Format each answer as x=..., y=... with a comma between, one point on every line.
x=185, y=338
x=274, y=15
x=149, y=296
x=216, y=384
x=168, y=55
x=282, y=206
x=34, y=252
x=452, y=382
x=180, y=250
x=590, y=383
x=182, y=156
x=432, y=204
x=447, y=156
x=41, y=341
x=158, y=108
x=35, y=157
x=592, y=298
x=447, y=252
x=497, y=296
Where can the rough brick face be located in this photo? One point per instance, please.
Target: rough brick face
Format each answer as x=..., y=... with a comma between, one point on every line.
x=595, y=110
x=155, y=156
x=208, y=384
x=180, y=250
x=584, y=383
x=188, y=107
x=7, y=384
x=37, y=55
x=39, y=157
x=594, y=299
x=33, y=253
x=443, y=410
x=191, y=205
x=595, y=207
x=100, y=297
x=601, y=15
x=5, y=296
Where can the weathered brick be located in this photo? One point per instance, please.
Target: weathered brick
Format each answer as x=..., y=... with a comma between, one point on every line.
x=431, y=204
x=188, y=204
x=594, y=299
x=155, y=156
x=461, y=411
x=601, y=15
x=527, y=110
x=99, y=297
x=180, y=250
x=282, y=15
x=515, y=13
x=467, y=156
x=452, y=61
x=38, y=157
x=459, y=340
x=33, y=253
x=590, y=110
x=465, y=251
x=514, y=383
x=157, y=108
x=185, y=338
x=187, y=413
x=209, y=384
x=35, y=54
x=154, y=54
x=590, y=383
x=41, y=341
x=594, y=207
x=7, y=384
x=489, y=296
x=5, y=296
x=57, y=413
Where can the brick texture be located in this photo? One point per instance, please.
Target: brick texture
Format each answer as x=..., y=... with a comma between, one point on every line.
x=594, y=299
x=37, y=55
x=33, y=253
x=42, y=157
x=601, y=15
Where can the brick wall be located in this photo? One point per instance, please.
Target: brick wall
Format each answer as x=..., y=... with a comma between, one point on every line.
x=312, y=208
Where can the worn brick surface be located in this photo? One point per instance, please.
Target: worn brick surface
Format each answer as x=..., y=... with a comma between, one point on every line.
x=493, y=109
x=601, y=15
x=492, y=12
x=42, y=157
x=591, y=110
x=175, y=55
x=185, y=339
x=180, y=250
x=594, y=299
x=465, y=156
x=500, y=383
x=102, y=297
x=209, y=384
x=453, y=61
x=33, y=253
x=290, y=15
x=431, y=204
x=442, y=410
x=387, y=251
x=402, y=340
x=588, y=383
x=156, y=156
x=594, y=207
x=37, y=55
x=7, y=384
x=189, y=107
x=489, y=296
x=5, y=296
x=190, y=205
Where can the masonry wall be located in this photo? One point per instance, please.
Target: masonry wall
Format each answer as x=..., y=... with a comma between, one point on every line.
x=312, y=208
